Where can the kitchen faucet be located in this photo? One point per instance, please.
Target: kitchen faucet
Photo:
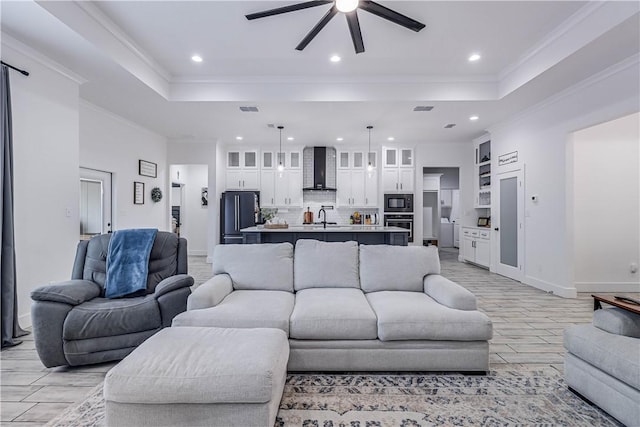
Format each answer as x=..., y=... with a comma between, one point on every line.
x=324, y=222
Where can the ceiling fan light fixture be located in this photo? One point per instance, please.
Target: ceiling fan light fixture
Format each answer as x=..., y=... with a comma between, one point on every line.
x=346, y=6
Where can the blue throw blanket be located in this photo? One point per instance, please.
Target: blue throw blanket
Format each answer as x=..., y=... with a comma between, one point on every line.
x=128, y=261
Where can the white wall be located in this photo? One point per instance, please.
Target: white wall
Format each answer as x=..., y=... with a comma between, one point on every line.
x=113, y=144
x=46, y=175
x=194, y=217
x=439, y=155
x=606, y=206
x=540, y=135
x=201, y=153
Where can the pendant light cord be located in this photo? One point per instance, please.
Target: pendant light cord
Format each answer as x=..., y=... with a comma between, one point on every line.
x=370, y=166
x=280, y=165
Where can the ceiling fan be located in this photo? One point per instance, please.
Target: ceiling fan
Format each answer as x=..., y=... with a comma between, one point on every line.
x=349, y=8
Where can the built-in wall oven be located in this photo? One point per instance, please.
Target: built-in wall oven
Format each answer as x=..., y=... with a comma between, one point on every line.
x=400, y=220
x=398, y=203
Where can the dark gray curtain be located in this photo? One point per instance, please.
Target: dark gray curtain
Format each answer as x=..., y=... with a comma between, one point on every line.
x=9, y=297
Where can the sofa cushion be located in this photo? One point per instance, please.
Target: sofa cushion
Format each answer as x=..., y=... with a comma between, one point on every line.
x=396, y=268
x=260, y=267
x=617, y=355
x=244, y=309
x=103, y=317
x=201, y=365
x=326, y=265
x=332, y=314
x=415, y=316
x=617, y=321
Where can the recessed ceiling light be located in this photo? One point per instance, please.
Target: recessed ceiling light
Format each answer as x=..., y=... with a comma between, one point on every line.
x=390, y=138
x=335, y=58
x=346, y=6
x=196, y=58
x=290, y=138
x=474, y=118
x=339, y=138
x=474, y=57
x=239, y=138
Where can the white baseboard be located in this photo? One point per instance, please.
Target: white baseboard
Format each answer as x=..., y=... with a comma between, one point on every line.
x=25, y=320
x=197, y=252
x=607, y=286
x=564, y=292
x=460, y=258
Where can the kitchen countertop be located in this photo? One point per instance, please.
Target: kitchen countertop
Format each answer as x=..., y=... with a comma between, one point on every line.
x=330, y=229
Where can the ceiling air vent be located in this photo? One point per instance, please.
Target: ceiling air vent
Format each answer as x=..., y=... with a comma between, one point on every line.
x=249, y=109
x=271, y=126
x=423, y=108
x=450, y=125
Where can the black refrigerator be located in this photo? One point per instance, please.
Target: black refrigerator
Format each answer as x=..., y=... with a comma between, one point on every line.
x=238, y=210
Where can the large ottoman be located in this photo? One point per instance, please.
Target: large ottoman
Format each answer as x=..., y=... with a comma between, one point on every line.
x=193, y=376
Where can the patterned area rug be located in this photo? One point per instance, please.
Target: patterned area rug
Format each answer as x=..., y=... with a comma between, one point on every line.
x=508, y=396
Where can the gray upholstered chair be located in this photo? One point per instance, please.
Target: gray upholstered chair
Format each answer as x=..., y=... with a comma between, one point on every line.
x=73, y=324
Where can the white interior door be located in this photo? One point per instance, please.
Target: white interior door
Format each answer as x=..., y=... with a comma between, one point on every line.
x=508, y=226
x=95, y=202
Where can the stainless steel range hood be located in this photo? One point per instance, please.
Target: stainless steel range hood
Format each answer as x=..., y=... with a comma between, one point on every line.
x=319, y=169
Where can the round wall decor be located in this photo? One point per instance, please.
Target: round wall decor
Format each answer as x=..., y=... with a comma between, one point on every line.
x=156, y=194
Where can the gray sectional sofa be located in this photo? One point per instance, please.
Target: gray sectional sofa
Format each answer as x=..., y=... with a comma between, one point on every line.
x=602, y=362
x=346, y=307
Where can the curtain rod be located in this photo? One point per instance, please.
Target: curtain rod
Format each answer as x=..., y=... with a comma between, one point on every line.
x=26, y=73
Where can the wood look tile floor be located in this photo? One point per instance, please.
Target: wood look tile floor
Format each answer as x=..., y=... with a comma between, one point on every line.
x=528, y=326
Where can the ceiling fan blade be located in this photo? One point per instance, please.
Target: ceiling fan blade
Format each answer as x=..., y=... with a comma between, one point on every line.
x=319, y=26
x=285, y=9
x=391, y=15
x=354, y=29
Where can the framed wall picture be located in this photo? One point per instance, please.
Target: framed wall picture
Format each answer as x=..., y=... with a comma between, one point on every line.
x=146, y=168
x=204, y=197
x=138, y=193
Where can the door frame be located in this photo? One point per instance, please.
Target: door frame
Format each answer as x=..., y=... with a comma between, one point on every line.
x=106, y=178
x=515, y=273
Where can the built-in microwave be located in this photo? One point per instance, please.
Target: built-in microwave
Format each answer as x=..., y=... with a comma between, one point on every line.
x=398, y=203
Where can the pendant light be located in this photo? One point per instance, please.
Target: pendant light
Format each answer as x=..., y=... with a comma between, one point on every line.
x=369, y=166
x=280, y=156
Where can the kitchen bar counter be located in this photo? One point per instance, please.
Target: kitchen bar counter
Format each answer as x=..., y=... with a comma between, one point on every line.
x=365, y=234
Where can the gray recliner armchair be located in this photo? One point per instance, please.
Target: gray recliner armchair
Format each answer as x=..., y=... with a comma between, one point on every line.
x=74, y=324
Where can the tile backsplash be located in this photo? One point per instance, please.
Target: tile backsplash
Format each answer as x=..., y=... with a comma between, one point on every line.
x=294, y=216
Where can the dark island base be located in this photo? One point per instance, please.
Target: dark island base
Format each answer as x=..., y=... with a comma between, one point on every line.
x=388, y=238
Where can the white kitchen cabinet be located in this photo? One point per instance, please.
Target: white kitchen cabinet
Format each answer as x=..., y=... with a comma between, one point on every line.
x=371, y=189
x=476, y=246
x=398, y=171
x=350, y=188
x=242, y=170
x=242, y=179
x=397, y=180
x=242, y=159
x=268, y=188
x=482, y=175
x=288, y=188
x=268, y=160
x=351, y=160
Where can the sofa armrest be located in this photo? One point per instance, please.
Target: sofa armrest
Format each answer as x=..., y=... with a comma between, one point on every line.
x=210, y=293
x=172, y=283
x=449, y=293
x=72, y=292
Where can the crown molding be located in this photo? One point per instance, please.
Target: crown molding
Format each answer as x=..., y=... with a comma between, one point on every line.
x=552, y=37
x=86, y=104
x=621, y=66
x=481, y=78
x=44, y=60
x=105, y=22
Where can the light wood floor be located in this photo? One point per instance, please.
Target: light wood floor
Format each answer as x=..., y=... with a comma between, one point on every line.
x=528, y=326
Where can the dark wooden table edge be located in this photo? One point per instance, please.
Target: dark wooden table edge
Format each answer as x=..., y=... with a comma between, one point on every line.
x=597, y=299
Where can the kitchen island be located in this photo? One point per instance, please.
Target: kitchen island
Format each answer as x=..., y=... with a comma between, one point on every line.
x=364, y=234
